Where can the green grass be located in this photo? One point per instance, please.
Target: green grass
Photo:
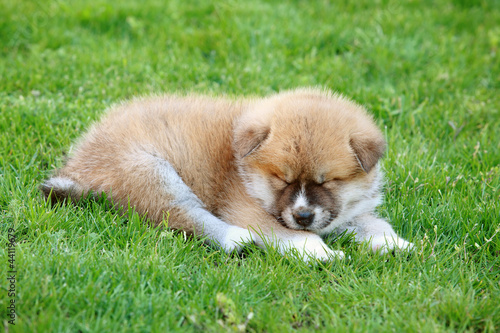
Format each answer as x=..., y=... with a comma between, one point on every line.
x=428, y=70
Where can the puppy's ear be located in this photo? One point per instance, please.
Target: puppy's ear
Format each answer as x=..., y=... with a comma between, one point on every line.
x=249, y=134
x=368, y=148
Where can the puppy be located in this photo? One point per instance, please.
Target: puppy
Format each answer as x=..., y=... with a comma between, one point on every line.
x=280, y=171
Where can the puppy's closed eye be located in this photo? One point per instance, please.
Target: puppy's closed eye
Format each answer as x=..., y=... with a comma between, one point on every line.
x=279, y=181
x=325, y=181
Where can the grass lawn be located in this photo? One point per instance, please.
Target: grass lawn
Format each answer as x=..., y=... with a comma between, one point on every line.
x=429, y=71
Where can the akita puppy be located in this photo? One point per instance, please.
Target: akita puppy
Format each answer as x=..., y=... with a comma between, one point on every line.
x=280, y=171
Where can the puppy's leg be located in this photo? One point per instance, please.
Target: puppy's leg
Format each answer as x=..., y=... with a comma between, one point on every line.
x=308, y=245
x=229, y=237
x=377, y=232
x=267, y=231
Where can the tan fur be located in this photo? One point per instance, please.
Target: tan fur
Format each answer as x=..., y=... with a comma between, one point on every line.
x=219, y=146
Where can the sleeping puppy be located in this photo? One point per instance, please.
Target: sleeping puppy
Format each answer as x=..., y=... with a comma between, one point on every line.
x=280, y=171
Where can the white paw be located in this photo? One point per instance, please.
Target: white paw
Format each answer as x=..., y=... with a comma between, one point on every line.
x=235, y=239
x=311, y=248
x=384, y=244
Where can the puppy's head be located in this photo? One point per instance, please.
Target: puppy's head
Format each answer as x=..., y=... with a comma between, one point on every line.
x=310, y=158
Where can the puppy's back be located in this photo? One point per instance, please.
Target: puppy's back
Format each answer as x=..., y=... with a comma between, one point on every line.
x=192, y=133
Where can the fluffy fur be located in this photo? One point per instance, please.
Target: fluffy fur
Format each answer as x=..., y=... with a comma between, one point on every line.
x=280, y=171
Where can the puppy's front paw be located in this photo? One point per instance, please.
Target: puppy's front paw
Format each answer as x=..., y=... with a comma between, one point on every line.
x=236, y=238
x=384, y=244
x=315, y=249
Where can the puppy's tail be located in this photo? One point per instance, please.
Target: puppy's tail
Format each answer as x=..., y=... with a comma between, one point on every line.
x=62, y=189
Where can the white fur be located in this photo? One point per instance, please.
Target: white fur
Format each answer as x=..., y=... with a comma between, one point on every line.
x=377, y=232
x=360, y=220
x=236, y=238
x=288, y=218
x=320, y=214
x=301, y=200
x=60, y=183
x=309, y=246
x=386, y=243
x=258, y=187
x=365, y=201
x=226, y=236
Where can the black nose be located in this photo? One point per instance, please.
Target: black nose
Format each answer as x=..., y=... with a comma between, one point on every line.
x=303, y=217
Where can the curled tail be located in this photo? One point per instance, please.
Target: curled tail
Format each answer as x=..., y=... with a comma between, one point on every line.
x=61, y=189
